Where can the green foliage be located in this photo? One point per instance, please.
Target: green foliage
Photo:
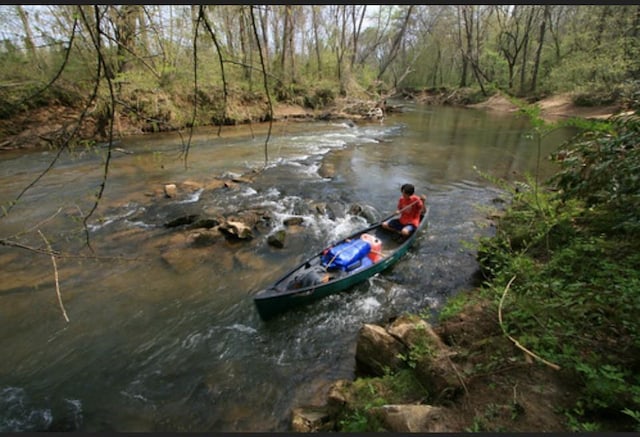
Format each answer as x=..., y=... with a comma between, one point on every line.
x=453, y=306
x=601, y=168
x=575, y=254
x=357, y=421
x=492, y=410
x=418, y=351
x=321, y=97
x=397, y=388
x=635, y=415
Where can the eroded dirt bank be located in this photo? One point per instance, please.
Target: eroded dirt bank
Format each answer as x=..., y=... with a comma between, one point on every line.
x=50, y=126
x=552, y=108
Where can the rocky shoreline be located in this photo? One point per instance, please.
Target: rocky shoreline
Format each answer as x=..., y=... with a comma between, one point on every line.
x=456, y=393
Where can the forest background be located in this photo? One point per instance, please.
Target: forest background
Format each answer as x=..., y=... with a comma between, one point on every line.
x=81, y=69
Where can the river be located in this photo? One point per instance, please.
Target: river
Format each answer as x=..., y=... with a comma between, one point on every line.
x=177, y=346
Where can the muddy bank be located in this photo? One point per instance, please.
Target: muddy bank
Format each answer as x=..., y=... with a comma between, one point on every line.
x=55, y=125
x=552, y=108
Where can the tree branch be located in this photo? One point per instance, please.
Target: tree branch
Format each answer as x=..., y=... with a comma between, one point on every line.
x=518, y=345
x=266, y=86
x=55, y=275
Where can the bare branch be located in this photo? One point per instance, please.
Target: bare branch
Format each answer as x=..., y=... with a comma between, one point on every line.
x=518, y=345
x=187, y=146
x=101, y=63
x=55, y=275
x=266, y=87
x=224, y=79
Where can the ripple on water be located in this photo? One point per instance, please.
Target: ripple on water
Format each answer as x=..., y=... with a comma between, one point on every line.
x=19, y=413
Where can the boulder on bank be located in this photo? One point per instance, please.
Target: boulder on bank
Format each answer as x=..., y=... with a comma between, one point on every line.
x=380, y=349
x=377, y=350
x=311, y=419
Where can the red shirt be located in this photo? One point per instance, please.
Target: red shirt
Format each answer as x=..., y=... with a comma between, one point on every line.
x=411, y=215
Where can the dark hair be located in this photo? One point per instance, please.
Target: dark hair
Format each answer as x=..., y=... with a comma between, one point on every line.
x=408, y=188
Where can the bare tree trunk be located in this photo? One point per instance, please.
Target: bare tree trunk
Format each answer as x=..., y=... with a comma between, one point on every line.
x=285, y=41
x=553, y=30
x=437, y=66
x=536, y=64
x=145, y=47
x=264, y=28
x=266, y=86
x=28, y=35
x=634, y=49
x=525, y=48
x=601, y=25
x=470, y=53
x=125, y=19
x=290, y=44
x=316, y=39
x=245, y=46
x=341, y=19
x=357, y=28
x=465, y=59
x=396, y=43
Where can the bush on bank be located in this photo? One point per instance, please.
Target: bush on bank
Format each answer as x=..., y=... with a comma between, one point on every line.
x=574, y=251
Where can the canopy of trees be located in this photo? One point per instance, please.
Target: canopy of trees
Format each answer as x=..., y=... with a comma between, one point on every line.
x=212, y=50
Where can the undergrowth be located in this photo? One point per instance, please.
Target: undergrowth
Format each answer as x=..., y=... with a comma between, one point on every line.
x=574, y=250
x=398, y=387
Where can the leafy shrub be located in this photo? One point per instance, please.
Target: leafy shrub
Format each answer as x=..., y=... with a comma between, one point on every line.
x=320, y=98
x=601, y=168
x=574, y=251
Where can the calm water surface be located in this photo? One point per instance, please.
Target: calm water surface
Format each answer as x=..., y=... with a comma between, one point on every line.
x=156, y=343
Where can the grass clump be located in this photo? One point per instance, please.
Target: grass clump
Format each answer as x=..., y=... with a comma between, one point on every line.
x=401, y=387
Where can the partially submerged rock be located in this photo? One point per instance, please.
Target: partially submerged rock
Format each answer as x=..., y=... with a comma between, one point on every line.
x=170, y=191
x=277, y=239
x=236, y=229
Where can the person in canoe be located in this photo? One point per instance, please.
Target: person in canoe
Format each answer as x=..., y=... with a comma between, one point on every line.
x=410, y=207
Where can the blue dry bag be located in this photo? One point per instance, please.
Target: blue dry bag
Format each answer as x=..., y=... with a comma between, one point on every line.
x=345, y=255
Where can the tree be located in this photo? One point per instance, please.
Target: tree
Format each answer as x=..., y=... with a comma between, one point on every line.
x=536, y=65
x=470, y=19
x=514, y=32
x=395, y=45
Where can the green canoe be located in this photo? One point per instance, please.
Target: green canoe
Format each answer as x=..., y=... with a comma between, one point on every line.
x=313, y=279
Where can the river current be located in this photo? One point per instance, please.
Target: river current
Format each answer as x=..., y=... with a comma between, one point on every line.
x=153, y=345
